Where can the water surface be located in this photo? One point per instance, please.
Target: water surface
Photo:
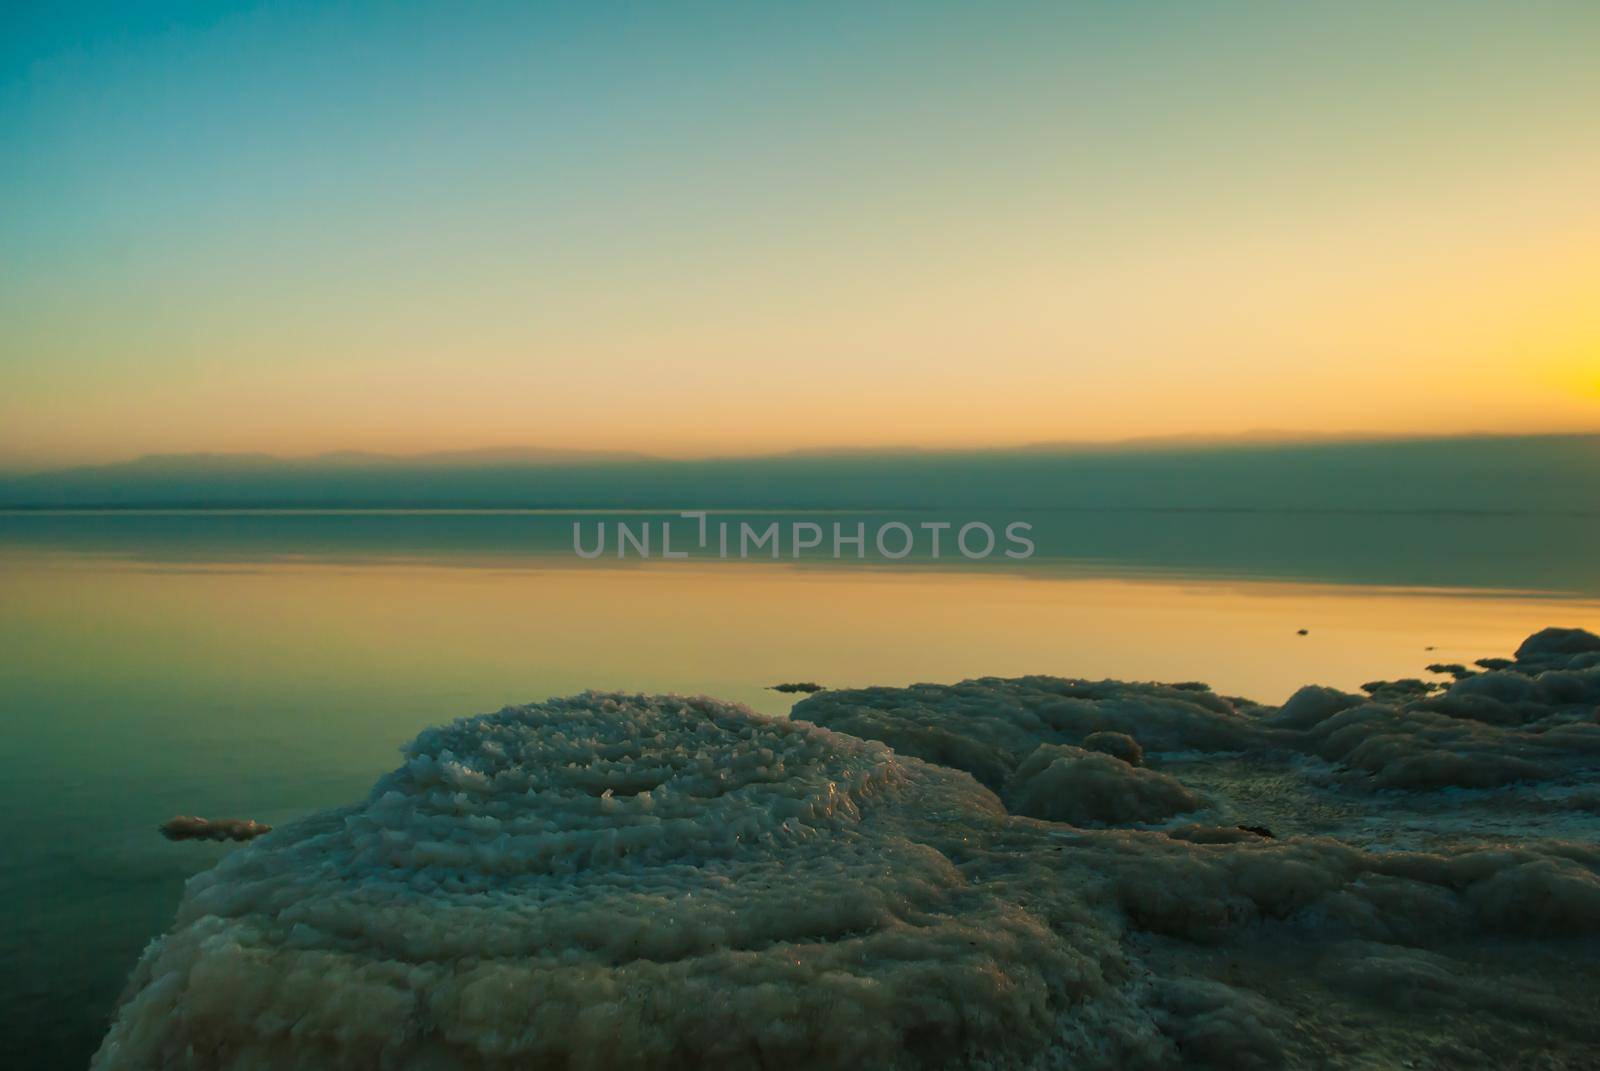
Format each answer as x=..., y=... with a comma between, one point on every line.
x=266, y=665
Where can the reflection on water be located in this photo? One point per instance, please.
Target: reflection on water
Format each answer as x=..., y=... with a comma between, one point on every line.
x=1527, y=552
x=261, y=667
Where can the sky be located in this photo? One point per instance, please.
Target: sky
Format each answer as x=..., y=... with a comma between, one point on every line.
x=694, y=229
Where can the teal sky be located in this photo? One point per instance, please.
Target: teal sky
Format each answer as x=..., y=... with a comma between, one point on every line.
x=701, y=228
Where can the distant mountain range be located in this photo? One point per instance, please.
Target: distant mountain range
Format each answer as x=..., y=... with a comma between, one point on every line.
x=209, y=463
x=1265, y=471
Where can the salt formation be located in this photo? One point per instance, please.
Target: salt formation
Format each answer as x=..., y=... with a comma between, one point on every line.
x=797, y=686
x=1525, y=719
x=1529, y=719
x=617, y=881
x=189, y=827
x=1071, y=784
x=988, y=726
x=1121, y=745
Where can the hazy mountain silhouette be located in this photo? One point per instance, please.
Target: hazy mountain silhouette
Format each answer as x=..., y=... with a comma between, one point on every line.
x=1552, y=473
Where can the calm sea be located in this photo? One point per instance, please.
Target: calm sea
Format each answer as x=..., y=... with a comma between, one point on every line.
x=263, y=665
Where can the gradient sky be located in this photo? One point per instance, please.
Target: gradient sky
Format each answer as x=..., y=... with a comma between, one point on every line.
x=701, y=228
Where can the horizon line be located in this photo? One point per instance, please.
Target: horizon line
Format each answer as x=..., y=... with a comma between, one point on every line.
x=576, y=456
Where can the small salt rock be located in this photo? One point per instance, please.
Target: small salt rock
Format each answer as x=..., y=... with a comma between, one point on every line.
x=189, y=827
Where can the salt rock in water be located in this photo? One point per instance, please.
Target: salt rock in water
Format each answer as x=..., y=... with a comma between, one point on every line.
x=189, y=827
x=989, y=725
x=620, y=881
x=1528, y=719
x=1559, y=644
